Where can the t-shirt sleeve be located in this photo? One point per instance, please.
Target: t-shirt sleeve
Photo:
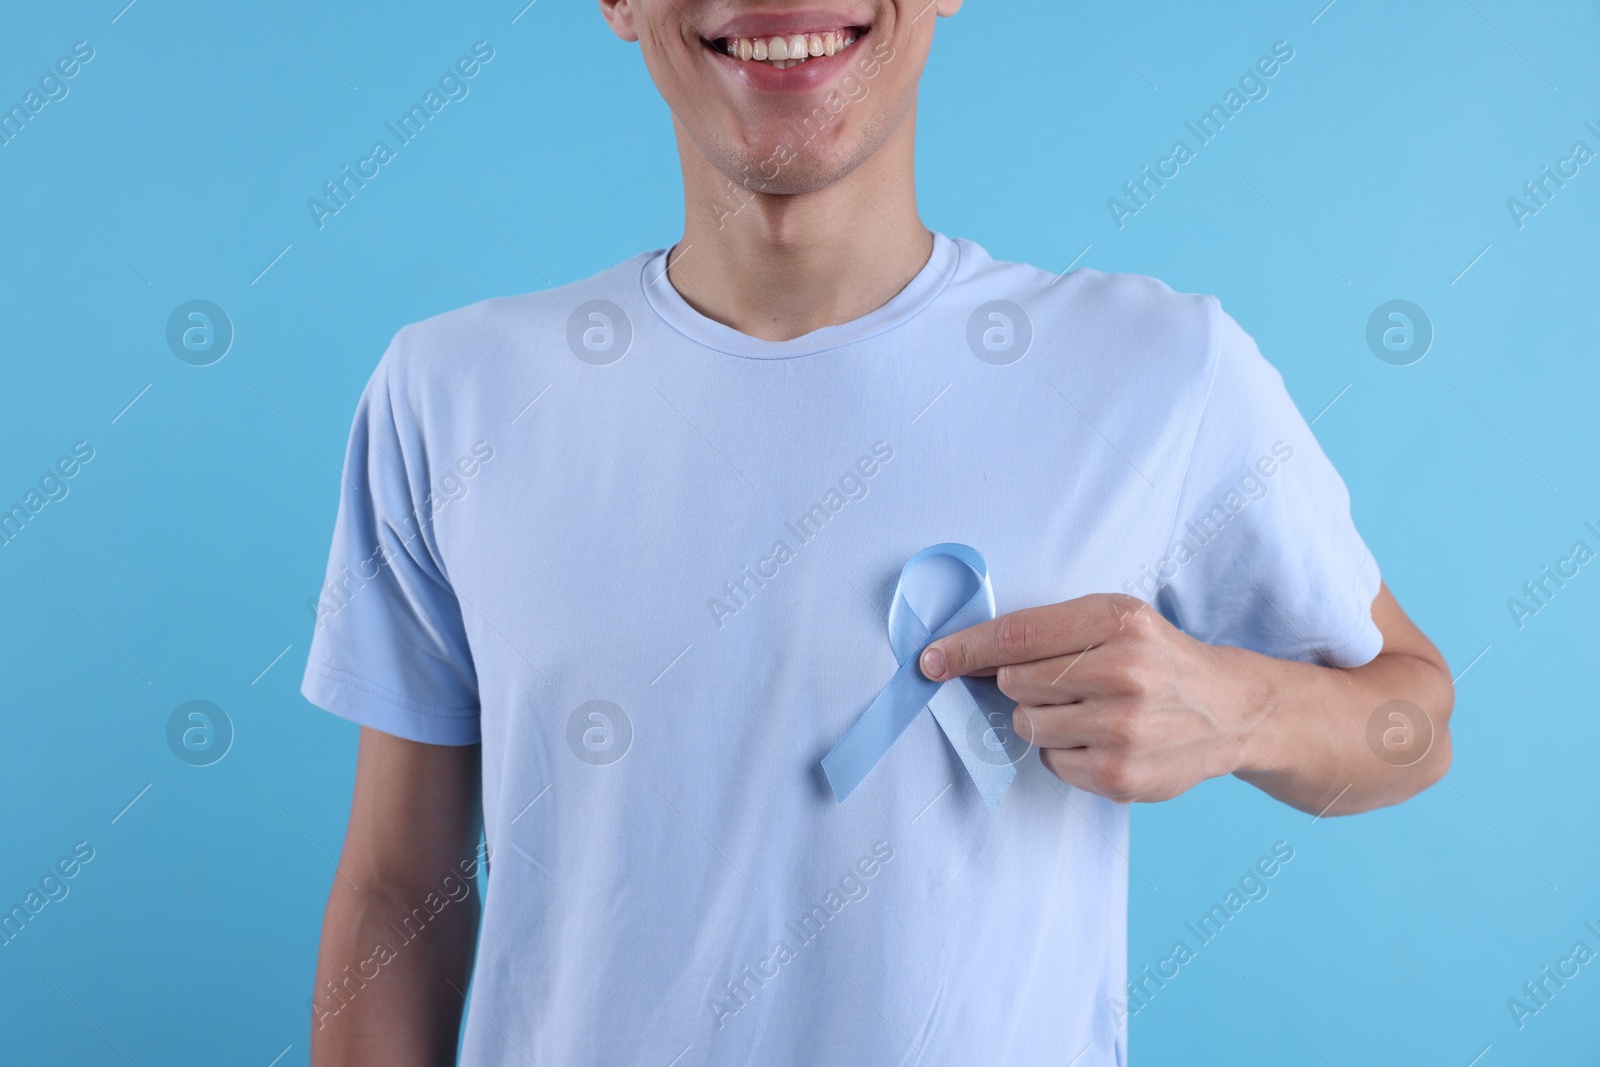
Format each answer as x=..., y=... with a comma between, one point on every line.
x=1264, y=554
x=390, y=649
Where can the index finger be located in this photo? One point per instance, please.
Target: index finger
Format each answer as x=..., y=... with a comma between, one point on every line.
x=1029, y=634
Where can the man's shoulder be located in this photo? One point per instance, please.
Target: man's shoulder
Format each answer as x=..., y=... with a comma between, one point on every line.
x=497, y=328
x=1088, y=293
x=1133, y=319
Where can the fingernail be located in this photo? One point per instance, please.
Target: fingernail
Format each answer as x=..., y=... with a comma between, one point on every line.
x=933, y=663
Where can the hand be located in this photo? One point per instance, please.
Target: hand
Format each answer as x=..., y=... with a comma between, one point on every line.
x=1119, y=701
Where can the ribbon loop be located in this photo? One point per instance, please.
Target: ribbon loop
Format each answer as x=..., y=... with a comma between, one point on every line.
x=946, y=585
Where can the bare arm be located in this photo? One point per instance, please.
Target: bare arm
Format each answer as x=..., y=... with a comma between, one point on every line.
x=1123, y=704
x=1314, y=742
x=401, y=924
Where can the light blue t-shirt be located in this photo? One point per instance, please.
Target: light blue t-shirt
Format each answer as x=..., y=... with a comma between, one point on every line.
x=645, y=559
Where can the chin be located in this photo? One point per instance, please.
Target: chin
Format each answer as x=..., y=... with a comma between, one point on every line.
x=781, y=171
x=774, y=156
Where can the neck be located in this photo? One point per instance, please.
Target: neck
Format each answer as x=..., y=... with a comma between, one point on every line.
x=779, y=266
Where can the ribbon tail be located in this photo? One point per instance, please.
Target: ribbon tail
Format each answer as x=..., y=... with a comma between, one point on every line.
x=874, y=733
x=967, y=728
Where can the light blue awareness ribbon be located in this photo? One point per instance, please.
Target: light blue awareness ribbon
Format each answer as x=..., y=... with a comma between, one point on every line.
x=932, y=583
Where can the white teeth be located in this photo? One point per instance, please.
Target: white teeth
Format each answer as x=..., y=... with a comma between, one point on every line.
x=787, y=50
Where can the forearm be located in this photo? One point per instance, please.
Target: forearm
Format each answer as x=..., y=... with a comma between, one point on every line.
x=1308, y=742
x=391, y=974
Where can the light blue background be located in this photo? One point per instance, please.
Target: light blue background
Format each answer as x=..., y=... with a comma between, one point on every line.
x=188, y=548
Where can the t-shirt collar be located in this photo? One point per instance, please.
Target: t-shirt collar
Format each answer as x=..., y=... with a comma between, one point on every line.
x=918, y=294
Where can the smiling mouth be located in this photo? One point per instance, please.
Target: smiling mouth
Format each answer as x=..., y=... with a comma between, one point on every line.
x=782, y=51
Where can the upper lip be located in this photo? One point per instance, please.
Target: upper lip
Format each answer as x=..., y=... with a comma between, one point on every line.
x=787, y=23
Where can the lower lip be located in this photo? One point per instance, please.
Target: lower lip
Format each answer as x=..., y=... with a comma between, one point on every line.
x=807, y=77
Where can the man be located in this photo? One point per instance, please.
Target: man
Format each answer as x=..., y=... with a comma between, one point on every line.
x=613, y=561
